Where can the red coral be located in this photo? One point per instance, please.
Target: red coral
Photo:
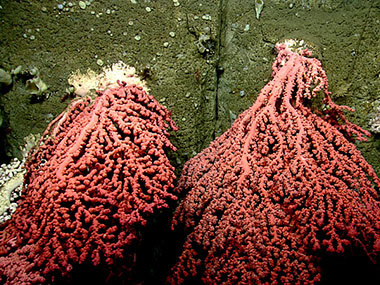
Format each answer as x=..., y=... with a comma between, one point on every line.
x=99, y=173
x=278, y=189
x=18, y=267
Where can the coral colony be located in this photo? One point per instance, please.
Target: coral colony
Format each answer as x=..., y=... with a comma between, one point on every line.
x=282, y=186
x=100, y=171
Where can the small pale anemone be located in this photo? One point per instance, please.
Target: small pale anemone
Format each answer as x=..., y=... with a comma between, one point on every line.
x=83, y=83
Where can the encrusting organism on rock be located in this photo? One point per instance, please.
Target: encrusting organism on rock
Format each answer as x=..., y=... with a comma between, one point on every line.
x=98, y=175
x=278, y=189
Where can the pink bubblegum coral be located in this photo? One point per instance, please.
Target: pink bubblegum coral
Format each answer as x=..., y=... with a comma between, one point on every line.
x=277, y=190
x=98, y=175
